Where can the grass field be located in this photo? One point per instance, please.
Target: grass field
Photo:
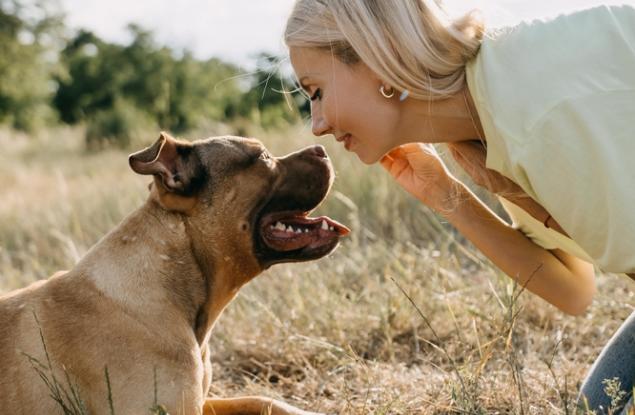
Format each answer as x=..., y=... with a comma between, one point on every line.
x=337, y=335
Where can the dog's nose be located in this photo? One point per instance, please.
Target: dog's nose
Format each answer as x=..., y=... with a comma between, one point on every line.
x=318, y=151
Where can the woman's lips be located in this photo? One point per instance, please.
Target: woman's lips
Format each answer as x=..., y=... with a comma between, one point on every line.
x=347, y=139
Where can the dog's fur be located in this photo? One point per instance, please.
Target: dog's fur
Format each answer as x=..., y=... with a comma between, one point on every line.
x=143, y=301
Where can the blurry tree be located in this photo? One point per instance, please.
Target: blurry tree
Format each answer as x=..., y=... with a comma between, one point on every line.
x=114, y=88
x=29, y=30
x=177, y=93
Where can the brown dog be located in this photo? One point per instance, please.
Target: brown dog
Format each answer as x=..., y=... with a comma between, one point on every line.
x=143, y=301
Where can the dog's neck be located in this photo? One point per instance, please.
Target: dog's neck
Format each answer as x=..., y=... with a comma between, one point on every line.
x=150, y=265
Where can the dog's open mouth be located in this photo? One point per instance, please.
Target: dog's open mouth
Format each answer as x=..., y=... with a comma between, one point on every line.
x=292, y=231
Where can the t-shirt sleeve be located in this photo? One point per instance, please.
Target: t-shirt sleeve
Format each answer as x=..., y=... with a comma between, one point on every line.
x=589, y=187
x=539, y=234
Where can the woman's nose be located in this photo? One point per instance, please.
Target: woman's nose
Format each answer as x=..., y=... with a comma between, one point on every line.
x=319, y=126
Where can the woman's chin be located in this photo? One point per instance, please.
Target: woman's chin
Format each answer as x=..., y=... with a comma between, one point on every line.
x=367, y=158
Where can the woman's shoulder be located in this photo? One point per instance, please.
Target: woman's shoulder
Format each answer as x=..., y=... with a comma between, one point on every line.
x=522, y=71
x=581, y=23
x=572, y=37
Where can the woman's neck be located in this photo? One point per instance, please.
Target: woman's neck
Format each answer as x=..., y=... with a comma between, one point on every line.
x=447, y=120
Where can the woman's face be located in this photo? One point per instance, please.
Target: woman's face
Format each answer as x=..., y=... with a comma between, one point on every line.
x=346, y=102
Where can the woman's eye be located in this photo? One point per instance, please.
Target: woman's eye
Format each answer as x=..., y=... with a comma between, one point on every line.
x=316, y=95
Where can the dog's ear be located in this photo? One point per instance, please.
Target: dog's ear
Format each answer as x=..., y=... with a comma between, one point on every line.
x=166, y=158
x=176, y=165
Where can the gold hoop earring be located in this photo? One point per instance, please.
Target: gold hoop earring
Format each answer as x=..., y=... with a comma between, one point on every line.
x=385, y=94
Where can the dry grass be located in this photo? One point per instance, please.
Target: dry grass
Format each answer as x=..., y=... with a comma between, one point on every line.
x=338, y=335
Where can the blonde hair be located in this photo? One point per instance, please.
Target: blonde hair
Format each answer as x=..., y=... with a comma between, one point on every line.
x=410, y=44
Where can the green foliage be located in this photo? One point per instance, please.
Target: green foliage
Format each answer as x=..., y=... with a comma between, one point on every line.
x=116, y=89
x=117, y=125
x=25, y=69
x=111, y=87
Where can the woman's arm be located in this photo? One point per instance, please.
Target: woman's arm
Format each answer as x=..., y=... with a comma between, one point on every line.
x=561, y=279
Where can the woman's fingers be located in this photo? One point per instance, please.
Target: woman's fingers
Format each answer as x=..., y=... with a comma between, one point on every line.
x=403, y=151
x=393, y=156
x=395, y=153
x=394, y=166
x=386, y=162
x=412, y=147
x=414, y=152
x=419, y=170
x=412, y=156
x=399, y=167
x=422, y=156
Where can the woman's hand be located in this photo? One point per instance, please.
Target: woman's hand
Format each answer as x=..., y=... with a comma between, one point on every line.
x=420, y=171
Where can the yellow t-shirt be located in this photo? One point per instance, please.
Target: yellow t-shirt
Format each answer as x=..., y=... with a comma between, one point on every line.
x=540, y=234
x=557, y=102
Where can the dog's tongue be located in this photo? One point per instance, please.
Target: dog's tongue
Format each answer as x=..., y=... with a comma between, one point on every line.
x=289, y=233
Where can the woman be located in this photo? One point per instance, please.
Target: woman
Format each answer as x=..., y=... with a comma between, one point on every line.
x=542, y=114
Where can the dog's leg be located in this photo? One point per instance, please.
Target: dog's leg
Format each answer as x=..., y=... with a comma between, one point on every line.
x=250, y=405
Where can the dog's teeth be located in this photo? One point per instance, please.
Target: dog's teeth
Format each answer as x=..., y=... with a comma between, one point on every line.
x=325, y=225
x=298, y=230
x=306, y=230
x=280, y=226
x=331, y=228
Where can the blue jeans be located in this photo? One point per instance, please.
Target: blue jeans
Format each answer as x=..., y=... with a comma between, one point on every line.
x=617, y=360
